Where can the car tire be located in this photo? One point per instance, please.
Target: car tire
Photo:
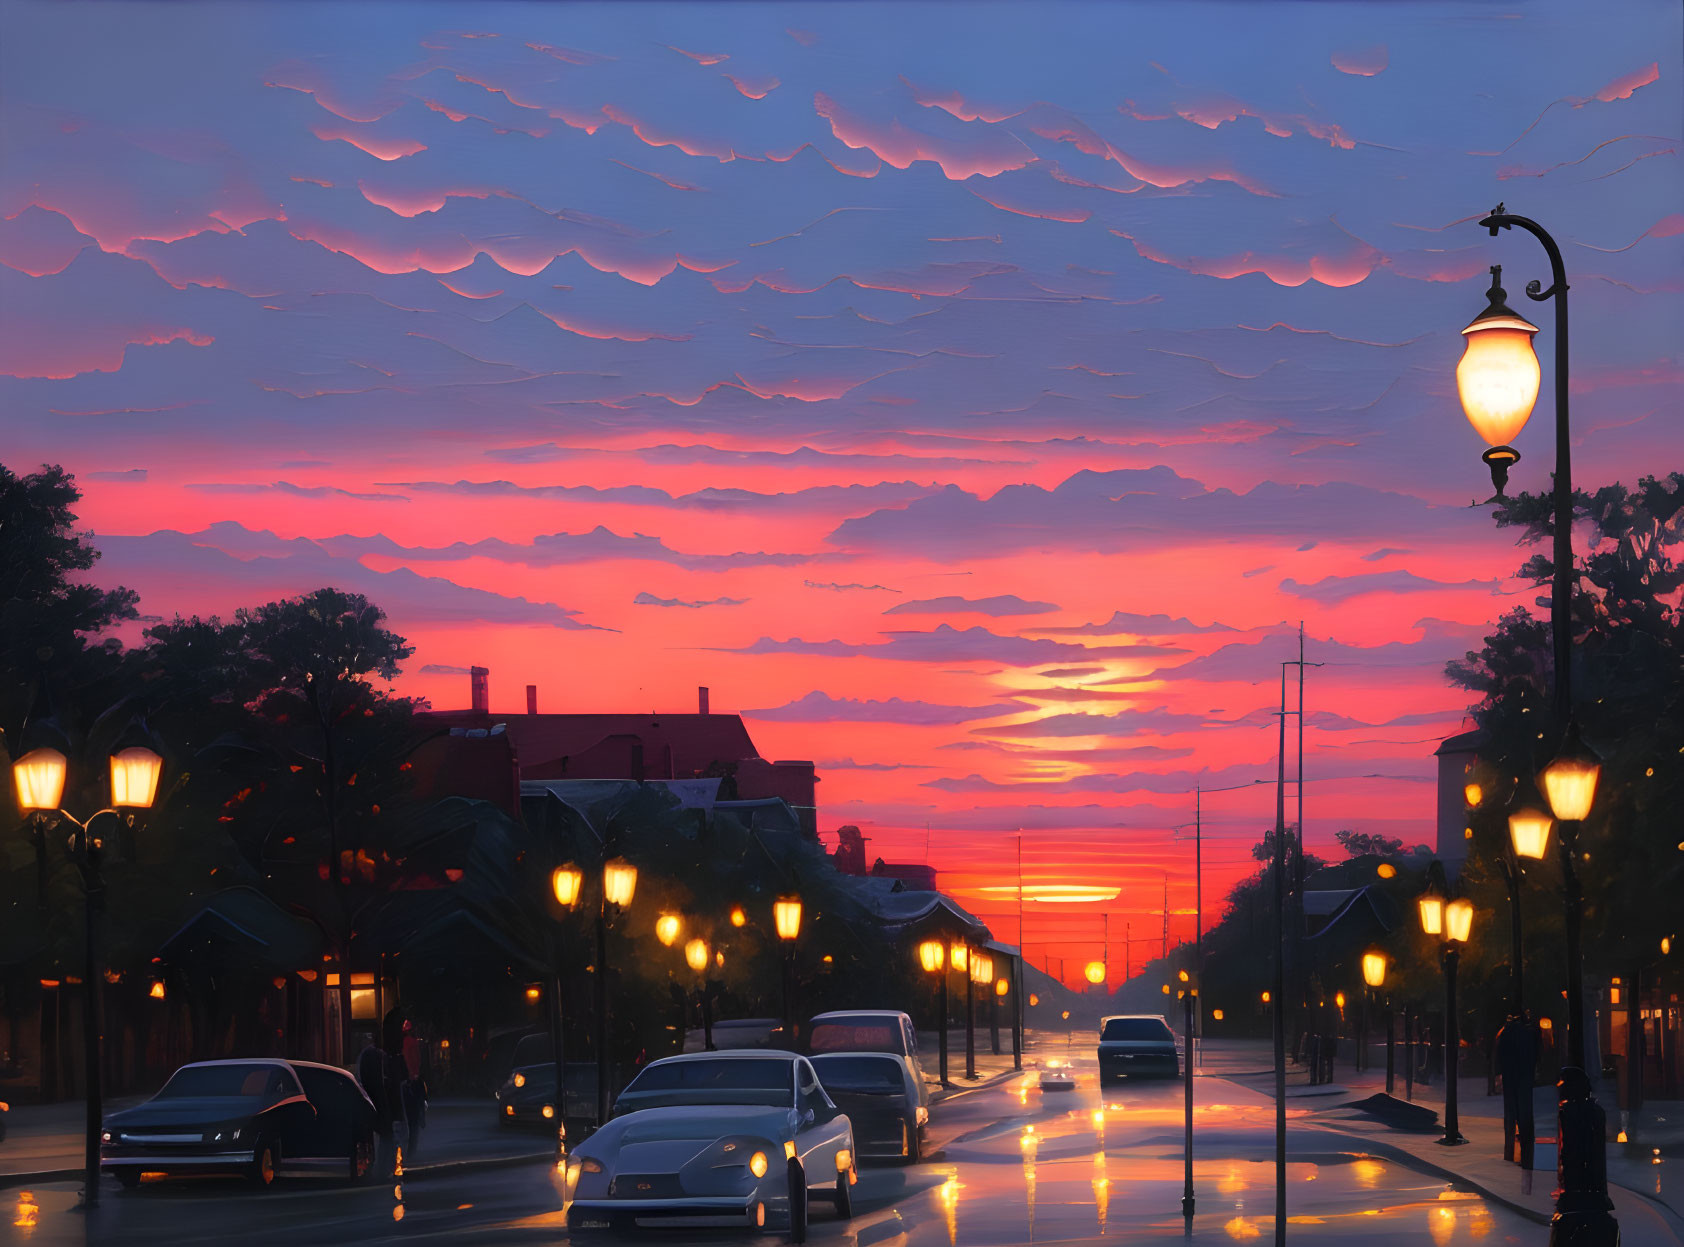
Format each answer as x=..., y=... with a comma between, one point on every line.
x=128, y=1177
x=844, y=1197
x=797, y=1202
x=360, y=1161
x=266, y=1159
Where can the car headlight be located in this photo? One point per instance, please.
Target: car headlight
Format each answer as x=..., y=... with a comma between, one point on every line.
x=106, y=1137
x=520, y=1080
x=922, y=1116
x=592, y=1165
x=757, y=1164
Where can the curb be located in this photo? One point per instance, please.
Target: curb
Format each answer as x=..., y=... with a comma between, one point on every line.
x=952, y=1091
x=1390, y=1151
x=438, y=1169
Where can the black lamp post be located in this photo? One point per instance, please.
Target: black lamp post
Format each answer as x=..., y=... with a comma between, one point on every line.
x=1451, y=922
x=786, y=917
x=619, y=883
x=565, y=883
x=38, y=775
x=1374, y=978
x=932, y=955
x=1497, y=380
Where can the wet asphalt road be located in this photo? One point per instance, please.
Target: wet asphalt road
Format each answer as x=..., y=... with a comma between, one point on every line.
x=1008, y=1165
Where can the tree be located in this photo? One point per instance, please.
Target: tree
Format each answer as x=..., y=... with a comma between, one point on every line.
x=309, y=754
x=1628, y=675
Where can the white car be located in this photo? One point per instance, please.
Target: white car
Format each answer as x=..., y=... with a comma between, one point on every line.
x=1057, y=1076
x=714, y=1136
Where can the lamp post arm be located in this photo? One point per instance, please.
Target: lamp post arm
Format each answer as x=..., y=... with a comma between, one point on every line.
x=1562, y=587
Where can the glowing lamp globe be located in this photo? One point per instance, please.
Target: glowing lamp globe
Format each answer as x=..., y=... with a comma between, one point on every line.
x=1473, y=794
x=738, y=917
x=134, y=777
x=39, y=778
x=667, y=927
x=959, y=957
x=1374, y=968
x=1497, y=377
x=565, y=882
x=982, y=968
x=619, y=881
x=1001, y=987
x=786, y=916
x=1432, y=913
x=1095, y=972
x=696, y=955
x=1529, y=832
x=1458, y=920
x=1339, y=1000
x=1570, y=780
x=931, y=955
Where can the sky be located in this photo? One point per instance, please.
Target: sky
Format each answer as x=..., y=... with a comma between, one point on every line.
x=975, y=397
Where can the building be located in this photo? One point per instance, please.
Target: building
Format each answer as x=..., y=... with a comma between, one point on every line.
x=490, y=756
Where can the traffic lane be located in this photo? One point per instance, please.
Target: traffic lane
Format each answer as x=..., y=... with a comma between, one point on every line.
x=293, y=1211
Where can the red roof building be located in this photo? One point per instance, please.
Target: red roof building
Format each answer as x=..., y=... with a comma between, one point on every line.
x=608, y=746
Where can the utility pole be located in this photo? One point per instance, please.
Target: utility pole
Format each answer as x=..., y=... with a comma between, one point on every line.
x=1280, y=976
x=1165, y=953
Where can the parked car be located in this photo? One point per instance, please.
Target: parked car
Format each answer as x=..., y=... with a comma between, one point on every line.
x=714, y=1136
x=866, y=1030
x=884, y=1098
x=527, y=1096
x=252, y=1117
x=738, y=1033
x=1136, y=1044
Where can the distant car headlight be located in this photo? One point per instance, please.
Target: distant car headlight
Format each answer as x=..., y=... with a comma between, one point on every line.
x=520, y=1080
x=508, y=1110
x=106, y=1137
x=757, y=1164
x=548, y=1111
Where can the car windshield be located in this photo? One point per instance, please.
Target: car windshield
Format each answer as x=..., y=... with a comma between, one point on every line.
x=861, y=1074
x=856, y=1035
x=219, y=1082
x=1136, y=1028
x=768, y=1082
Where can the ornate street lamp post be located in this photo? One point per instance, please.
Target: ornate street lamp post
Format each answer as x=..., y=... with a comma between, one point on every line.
x=565, y=883
x=38, y=776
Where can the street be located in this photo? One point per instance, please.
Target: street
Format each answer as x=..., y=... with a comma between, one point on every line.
x=1008, y=1164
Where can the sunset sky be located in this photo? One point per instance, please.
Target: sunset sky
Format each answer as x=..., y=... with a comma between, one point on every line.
x=974, y=397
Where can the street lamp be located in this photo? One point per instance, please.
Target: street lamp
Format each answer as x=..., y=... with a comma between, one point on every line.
x=932, y=955
x=786, y=917
x=1374, y=975
x=1497, y=377
x=619, y=885
x=698, y=957
x=566, y=881
x=39, y=776
x=981, y=970
x=668, y=927
x=1452, y=923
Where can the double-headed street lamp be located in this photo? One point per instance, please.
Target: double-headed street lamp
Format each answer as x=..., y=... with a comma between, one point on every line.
x=933, y=956
x=619, y=884
x=38, y=776
x=1451, y=922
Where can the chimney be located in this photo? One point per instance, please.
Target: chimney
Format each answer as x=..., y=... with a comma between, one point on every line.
x=701, y=699
x=531, y=699
x=478, y=678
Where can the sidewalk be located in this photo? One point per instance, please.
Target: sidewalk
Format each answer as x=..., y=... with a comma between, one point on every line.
x=45, y=1142
x=1647, y=1185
